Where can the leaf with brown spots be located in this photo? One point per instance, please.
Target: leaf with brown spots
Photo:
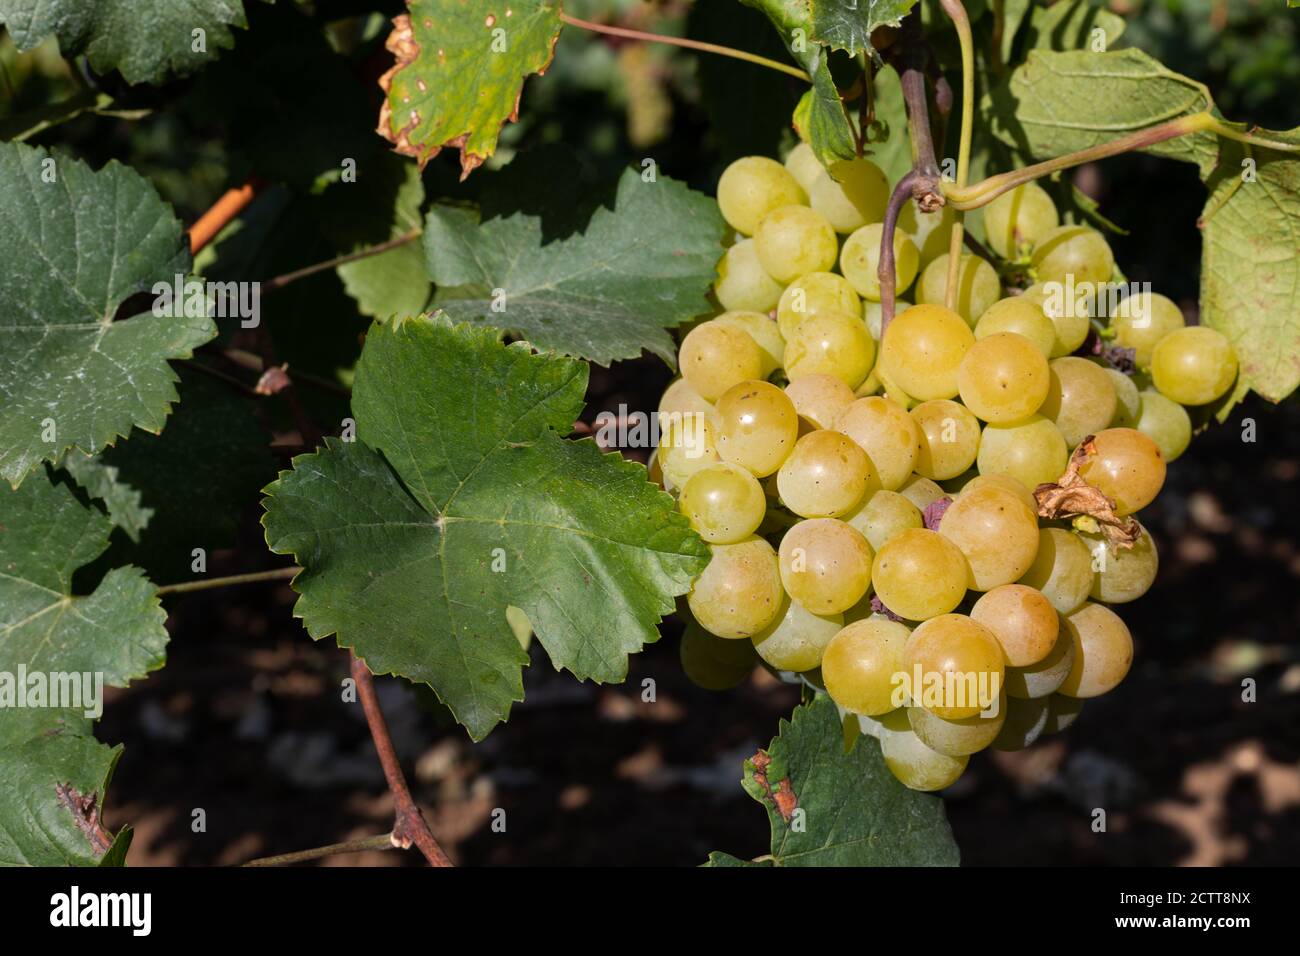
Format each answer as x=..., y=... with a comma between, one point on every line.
x=1072, y=497
x=460, y=71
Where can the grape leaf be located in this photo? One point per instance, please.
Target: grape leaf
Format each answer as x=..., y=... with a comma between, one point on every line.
x=847, y=24
x=459, y=74
x=606, y=291
x=827, y=807
x=101, y=480
x=458, y=500
x=144, y=40
x=1069, y=25
x=74, y=244
x=1013, y=16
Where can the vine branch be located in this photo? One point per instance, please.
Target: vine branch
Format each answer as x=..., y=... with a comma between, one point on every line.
x=205, y=584
x=225, y=209
x=383, y=842
x=279, y=282
x=957, y=13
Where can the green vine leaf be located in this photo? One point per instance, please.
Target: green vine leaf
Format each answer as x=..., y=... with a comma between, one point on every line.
x=827, y=807
x=101, y=480
x=602, y=289
x=459, y=74
x=75, y=245
x=459, y=500
x=847, y=24
x=1069, y=25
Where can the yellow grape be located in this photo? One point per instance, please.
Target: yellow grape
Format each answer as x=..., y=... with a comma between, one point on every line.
x=871, y=314
x=1022, y=316
x=921, y=491
x=742, y=283
x=1126, y=466
x=996, y=531
x=1103, y=651
x=819, y=399
x=919, y=574
x=950, y=437
x=861, y=662
x=1040, y=679
x=853, y=193
x=680, y=399
x=978, y=286
x=1074, y=253
x=831, y=343
x=957, y=738
x=1070, y=319
x=825, y=565
x=883, y=515
x=712, y=662
x=860, y=259
x=914, y=764
x=723, y=502
x=1031, y=451
x=1006, y=482
x=813, y=293
x=1062, y=569
x=686, y=445
x=796, y=640
x=753, y=186
x=1194, y=366
x=1025, y=722
x=1023, y=621
x=1003, y=378
x=763, y=331
x=923, y=349
x=959, y=663
x=1016, y=220
x=1128, y=403
x=715, y=356
x=739, y=592
x=1165, y=422
x=793, y=241
x=756, y=426
x=825, y=476
x=887, y=433
x=1124, y=574
x=1142, y=320
x=931, y=231
x=1080, y=400
x=802, y=163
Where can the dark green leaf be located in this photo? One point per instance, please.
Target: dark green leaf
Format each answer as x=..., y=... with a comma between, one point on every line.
x=847, y=24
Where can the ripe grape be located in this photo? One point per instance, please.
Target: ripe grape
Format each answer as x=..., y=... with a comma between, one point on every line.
x=1071, y=318
x=802, y=163
x=1103, y=651
x=1125, y=466
x=851, y=194
x=764, y=332
x=1023, y=621
x=1016, y=220
x=861, y=663
x=1062, y=569
x=826, y=475
x=887, y=433
x=978, y=286
x=921, y=491
x=796, y=640
x=742, y=283
x=723, y=502
x=831, y=343
x=819, y=399
x=860, y=259
x=813, y=293
x=1003, y=378
x=1072, y=252
x=680, y=399
x=1022, y=316
x=923, y=349
x=919, y=574
x=883, y=515
x=932, y=231
x=1165, y=422
x=793, y=241
x=996, y=531
x=825, y=565
x=1042, y=678
x=714, y=663
x=1124, y=574
x=1080, y=398
x=752, y=187
x=1005, y=482
x=1128, y=403
x=686, y=445
x=1031, y=451
x=1026, y=719
x=1142, y=320
x=1194, y=366
x=715, y=356
x=960, y=665
x=871, y=314
x=957, y=738
x=914, y=764
x=756, y=426
x=739, y=592
x=950, y=437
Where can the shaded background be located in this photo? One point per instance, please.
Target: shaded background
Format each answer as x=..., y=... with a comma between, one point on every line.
x=245, y=722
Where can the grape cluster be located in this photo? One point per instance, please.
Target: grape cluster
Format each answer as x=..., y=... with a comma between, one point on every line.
x=871, y=505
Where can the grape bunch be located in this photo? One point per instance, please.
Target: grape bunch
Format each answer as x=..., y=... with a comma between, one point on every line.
x=931, y=527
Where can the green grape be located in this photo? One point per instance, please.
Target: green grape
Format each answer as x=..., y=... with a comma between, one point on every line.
x=1003, y=378
x=802, y=163
x=860, y=259
x=1125, y=466
x=1103, y=651
x=1023, y=621
x=1041, y=679
x=1070, y=318
x=915, y=765
x=739, y=592
x=723, y=502
x=685, y=446
x=742, y=283
x=1080, y=399
x=813, y=293
x=854, y=193
x=1005, y=482
x=715, y=356
x=1062, y=711
x=752, y=187
x=793, y=241
x=957, y=738
x=1128, y=403
x=1026, y=719
x=1022, y=316
x=996, y=531
x=887, y=433
x=919, y=574
x=950, y=437
x=1125, y=574
x=826, y=475
x=1072, y=253
x=680, y=399
x=796, y=640
x=1062, y=569
x=1016, y=220
x=861, y=663
x=871, y=314
x=959, y=663
x=1194, y=366
x=825, y=565
x=831, y=343
x=883, y=515
x=978, y=286
x=1031, y=451
x=756, y=427
x=714, y=663
x=923, y=349
x=764, y=332
x=1142, y=320
x=932, y=231
x=1165, y=422
x=819, y=399
x=921, y=491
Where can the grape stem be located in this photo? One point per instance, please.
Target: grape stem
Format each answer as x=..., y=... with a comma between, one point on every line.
x=206, y=583
x=957, y=13
x=885, y=270
x=627, y=34
x=279, y=282
x=225, y=209
x=382, y=842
